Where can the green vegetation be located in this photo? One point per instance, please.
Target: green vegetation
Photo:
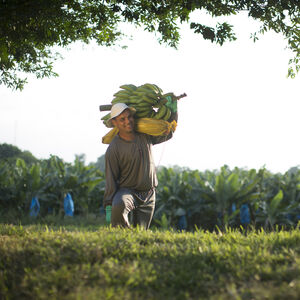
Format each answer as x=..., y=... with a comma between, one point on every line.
x=30, y=30
x=45, y=262
x=10, y=154
x=205, y=199
x=53, y=256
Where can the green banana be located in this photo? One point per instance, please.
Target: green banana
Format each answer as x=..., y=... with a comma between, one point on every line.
x=143, y=104
x=106, y=117
x=122, y=93
x=149, y=100
x=128, y=87
x=105, y=123
x=152, y=87
x=142, y=108
x=146, y=90
x=161, y=112
x=118, y=100
x=144, y=99
x=144, y=114
x=135, y=99
x=167, y=116
x=158, y=88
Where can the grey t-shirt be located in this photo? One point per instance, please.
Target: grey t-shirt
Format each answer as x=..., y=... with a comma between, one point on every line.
x=130, y=164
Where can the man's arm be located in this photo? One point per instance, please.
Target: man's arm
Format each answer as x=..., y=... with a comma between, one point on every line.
x=111, y=177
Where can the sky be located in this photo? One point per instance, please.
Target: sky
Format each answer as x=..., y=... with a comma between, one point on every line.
x=241, y=110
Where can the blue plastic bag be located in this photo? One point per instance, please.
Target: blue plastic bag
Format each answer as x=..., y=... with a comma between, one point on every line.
x=34, y=207
x=68, y=205
x=233, y=207
x=182, y=223
x=245, y=214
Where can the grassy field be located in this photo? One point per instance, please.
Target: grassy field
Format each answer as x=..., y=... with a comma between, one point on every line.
x=71, y=262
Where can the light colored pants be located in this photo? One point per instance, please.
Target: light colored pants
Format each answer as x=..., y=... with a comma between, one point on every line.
x=126, y=201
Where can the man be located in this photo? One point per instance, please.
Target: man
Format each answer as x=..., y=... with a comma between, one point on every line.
x=130, y=170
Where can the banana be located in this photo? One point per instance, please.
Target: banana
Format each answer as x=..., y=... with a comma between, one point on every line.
x=110, y=135
x=158, y=88
x=143, y=114
x=167, y=116
x=143, y=108
x=140, y=113
x=105, y=123
x=152, y=87
x=106, y=117
x=146, y=89
x=135, y=99
x=161, y=112
x=153, y=113
x=143, y=105
x=149, y=100
x=118, y=100
x=128, y=87
x=122, y=93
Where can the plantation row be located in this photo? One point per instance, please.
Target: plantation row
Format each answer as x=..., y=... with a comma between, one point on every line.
x=185, y=198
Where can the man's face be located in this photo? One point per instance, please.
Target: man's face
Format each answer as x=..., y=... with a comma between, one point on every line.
x=124, y=122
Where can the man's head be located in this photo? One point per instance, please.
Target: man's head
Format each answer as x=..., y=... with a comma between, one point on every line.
x=121, y=116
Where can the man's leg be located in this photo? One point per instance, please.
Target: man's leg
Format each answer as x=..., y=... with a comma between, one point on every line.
x=143, y=213
x=123, y=202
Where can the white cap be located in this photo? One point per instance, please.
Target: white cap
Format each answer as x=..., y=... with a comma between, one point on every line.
x=116, y=110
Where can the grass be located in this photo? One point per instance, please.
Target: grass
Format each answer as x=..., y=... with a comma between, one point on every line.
x=55, y=262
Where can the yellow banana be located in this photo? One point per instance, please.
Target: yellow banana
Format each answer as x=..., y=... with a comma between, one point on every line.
x=110, y=135
x=153, y=127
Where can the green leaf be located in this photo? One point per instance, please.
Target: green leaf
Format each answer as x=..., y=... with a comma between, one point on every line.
x=276, y=201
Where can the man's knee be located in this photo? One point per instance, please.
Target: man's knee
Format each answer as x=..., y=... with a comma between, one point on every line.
x=123, y=199
x=122, y=204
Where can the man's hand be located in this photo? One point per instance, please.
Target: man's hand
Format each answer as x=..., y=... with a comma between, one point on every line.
x=108, y=213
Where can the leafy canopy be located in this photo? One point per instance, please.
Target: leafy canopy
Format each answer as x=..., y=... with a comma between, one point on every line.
x=29, y=29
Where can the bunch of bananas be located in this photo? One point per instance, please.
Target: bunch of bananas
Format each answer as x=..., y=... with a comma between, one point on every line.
x=148, y=100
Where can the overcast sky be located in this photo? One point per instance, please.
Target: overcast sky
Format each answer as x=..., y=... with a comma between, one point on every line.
x=240, y=108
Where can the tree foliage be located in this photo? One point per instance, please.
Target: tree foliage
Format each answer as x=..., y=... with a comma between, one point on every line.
x=10, y=154
x=29, y=29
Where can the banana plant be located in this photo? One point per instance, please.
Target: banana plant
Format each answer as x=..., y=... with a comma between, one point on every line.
x=28, y=184
x=280, y=200
x=291, y=191
x=7, y=187
x=173, y=194
x=270, y=212
x=78, y=179
x=229, y=188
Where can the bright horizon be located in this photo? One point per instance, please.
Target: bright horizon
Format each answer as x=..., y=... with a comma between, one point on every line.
x=240, y=108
